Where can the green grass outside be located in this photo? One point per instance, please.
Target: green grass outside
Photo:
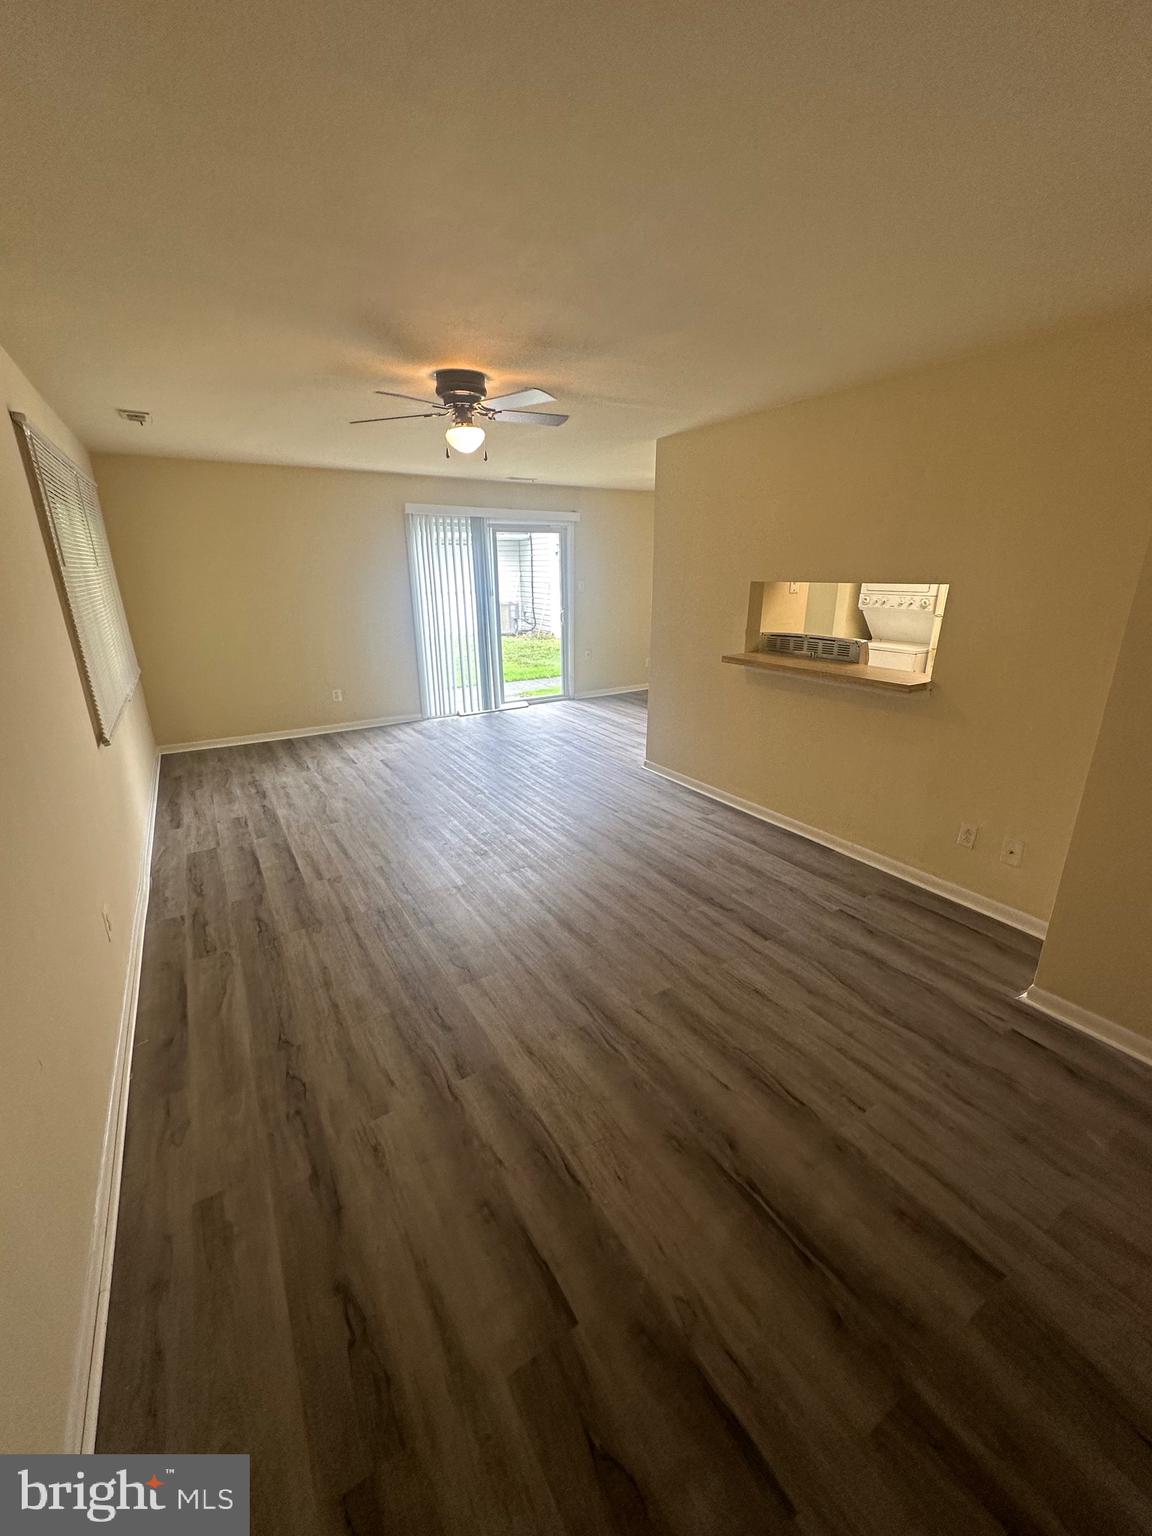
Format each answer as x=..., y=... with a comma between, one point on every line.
x=527, y=657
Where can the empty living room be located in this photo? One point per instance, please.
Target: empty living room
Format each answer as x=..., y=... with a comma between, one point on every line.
x=576, y=778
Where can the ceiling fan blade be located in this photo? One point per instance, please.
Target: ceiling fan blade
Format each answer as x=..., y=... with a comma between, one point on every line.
x=521, y=398
x=531, y=418
x=363, y=421
x=392, y=395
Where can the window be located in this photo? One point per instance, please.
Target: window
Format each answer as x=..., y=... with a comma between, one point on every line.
x=74, y=531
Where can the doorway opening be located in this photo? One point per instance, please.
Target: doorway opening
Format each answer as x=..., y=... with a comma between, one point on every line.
x=490, y=599
x=528, y=568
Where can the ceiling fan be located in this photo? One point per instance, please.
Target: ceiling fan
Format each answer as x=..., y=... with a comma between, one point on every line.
x=463, y=395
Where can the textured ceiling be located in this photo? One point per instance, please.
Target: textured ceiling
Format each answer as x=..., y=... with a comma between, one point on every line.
x=243, y=217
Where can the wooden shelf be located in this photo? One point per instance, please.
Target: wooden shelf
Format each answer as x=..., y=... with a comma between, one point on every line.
x=832, y=671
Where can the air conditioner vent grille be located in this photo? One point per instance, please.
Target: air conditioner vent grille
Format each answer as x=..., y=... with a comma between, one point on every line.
x=816, y=647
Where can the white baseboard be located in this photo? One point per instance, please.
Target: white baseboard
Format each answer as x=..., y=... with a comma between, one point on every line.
x=85, y=1404
x=603, y=693
x=1013, y=916
x=1089, y=1023
x=300, y=730
x=351, y=725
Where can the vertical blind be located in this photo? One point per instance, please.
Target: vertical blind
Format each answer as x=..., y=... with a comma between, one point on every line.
x=448, y=558
x=86, y=576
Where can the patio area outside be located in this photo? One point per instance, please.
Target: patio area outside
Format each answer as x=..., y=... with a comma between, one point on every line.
x=529, y=585
x=532, y=665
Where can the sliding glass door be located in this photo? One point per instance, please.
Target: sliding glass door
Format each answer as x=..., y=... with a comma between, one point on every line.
x=490, y=599
x=529, y=567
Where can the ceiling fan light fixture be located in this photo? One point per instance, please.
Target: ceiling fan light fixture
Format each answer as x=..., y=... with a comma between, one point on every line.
x=462, y=395
x=464, y=436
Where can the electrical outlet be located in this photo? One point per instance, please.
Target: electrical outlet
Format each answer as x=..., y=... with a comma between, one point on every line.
x=793, y=587
x=1012, y=851
x=107, y=916
x=337, y=695
x=967, y=835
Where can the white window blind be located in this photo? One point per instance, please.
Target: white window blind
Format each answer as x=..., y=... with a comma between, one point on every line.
x=86, y=577
x=447, y=561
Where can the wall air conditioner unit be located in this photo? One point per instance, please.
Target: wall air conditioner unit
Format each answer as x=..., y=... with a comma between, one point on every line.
x=815, y=647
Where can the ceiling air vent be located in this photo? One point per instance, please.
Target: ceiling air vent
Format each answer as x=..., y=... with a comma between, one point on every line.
x=817, y=647
x=141, y=418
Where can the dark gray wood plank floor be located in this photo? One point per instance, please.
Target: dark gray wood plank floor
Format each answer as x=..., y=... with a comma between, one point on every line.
x=521, y=1143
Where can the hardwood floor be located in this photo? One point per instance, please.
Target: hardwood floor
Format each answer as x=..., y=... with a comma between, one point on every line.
x=519, y=1142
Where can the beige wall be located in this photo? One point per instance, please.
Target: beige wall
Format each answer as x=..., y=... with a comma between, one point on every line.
x=779, y=609
x=72, y=831
x=255, y=590
x=1022, y=476
x=1098, y=952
